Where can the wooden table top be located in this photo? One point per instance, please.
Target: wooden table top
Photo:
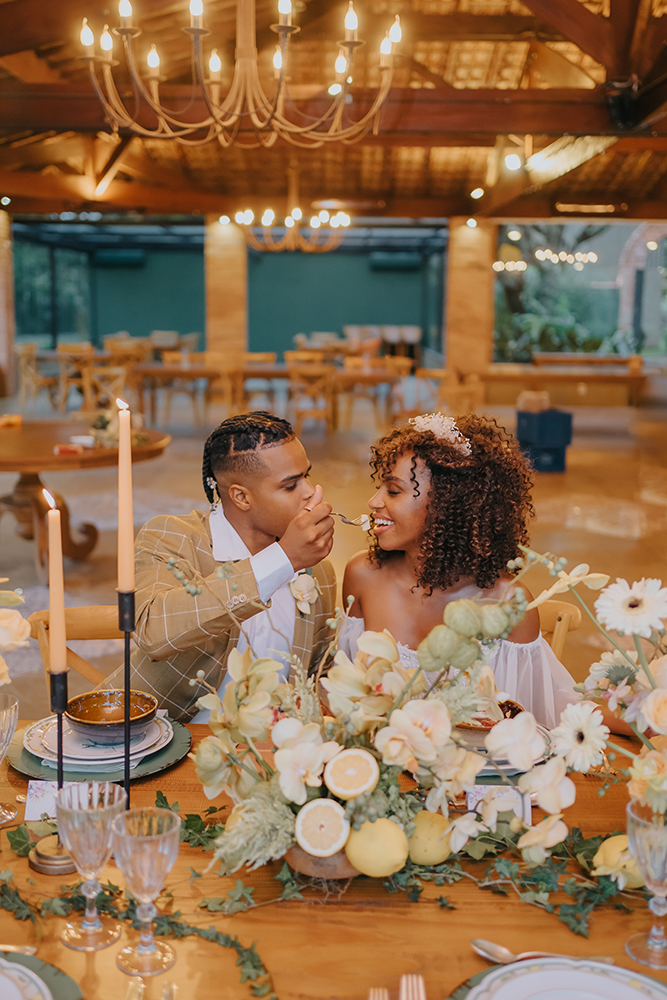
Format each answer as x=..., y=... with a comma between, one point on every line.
x=98, y=357
x=366, y=937
x=29, y=448
x=541, y=374
x=576, y=358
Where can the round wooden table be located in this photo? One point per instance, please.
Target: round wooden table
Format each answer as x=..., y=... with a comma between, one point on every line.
x=29, y=450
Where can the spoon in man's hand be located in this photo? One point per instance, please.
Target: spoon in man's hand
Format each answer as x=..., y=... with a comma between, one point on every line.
x=363, y=521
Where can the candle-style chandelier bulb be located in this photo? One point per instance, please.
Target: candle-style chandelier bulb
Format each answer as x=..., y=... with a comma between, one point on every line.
x=215, y=62
x=196, y=8
x=284, y=6
x=106, y=41
x=125, y=9
x=385, y=46
x=324, y=216
x=289, y=222
x=315, y=223
x=297, y=214
x=334, y=222
x=396, y=32
x=268, y=217
x=277, y=59
x=87, y=37
x=153, y=58
x=340, y=65
x=351, y=19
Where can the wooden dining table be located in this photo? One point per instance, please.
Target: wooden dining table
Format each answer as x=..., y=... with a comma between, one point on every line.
x=334, y=944
x=29, y=450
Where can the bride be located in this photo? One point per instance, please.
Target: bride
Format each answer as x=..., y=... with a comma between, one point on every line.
x=450, y=510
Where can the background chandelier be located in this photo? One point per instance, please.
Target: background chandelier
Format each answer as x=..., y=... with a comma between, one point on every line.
x=246, y=104
x=326, y=231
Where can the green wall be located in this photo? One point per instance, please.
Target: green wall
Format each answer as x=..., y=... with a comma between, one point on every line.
x=167, y=293
x=296, y=292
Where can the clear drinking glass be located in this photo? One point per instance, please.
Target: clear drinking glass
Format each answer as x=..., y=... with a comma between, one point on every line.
x=9, y=714
x=647, y=835
x=146, y=848
x=84, y=814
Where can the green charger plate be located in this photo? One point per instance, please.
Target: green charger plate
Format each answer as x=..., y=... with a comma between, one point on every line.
x=462, y=991
x=61, y=985
x=27, y=763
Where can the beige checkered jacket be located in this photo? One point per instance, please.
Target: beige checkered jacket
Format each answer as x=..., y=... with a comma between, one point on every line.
x=177, y=635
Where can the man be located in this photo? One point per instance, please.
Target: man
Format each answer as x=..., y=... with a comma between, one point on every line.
x=267, y=526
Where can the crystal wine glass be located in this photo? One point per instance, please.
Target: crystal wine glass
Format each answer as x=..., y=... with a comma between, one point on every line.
x=84, y=814
x=647, y=835
x=146, y=847
x=9, y=713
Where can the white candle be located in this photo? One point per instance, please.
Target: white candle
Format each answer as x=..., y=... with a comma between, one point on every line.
x=125, y=519
x=57, y=639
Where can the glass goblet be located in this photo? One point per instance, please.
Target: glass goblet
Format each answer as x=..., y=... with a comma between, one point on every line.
x=84, y=813
x=647, y=835
x=9, y=713
x=146, y=848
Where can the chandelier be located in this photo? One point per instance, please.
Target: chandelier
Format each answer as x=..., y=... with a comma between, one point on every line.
x=326, y=231
x=245, y=104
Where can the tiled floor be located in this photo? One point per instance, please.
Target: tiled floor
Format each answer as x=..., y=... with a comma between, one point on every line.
x=608, y=509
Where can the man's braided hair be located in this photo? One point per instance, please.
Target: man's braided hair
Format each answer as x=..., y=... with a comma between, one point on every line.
x=233, y=446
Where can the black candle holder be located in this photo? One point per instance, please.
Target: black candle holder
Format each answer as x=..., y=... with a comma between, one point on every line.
x=126, y=625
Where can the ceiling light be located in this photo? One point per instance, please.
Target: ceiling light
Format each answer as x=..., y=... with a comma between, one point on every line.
x=578, y=266
x=297, y=214
x=5, y=200
x=224, y=220
x=477, y=193
x=587, y=209
x=334, y=89
x=513, y=161
x=562, y=255
x=471, y=223
x=395, y=32
x=498, y=265
x=540, y=254
x=268, y=217
x=514, y=234
x=651, y=245
x=592, y=257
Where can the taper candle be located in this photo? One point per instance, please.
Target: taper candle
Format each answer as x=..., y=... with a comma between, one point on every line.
x=125, y=519
x=57, y=640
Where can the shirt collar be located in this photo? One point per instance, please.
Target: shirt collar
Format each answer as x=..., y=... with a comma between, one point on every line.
x=227, y=543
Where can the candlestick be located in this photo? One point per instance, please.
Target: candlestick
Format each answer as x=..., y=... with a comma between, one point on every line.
x=125, y=12
x=285, y=12
x=57, y=638
x=125, y=518
x=351, y=24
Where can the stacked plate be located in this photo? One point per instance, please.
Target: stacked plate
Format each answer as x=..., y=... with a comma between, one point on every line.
x=81, y=752
x=475, y=736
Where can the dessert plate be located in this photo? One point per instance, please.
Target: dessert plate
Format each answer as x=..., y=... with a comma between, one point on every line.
x=564, y=979
x=41, y=740
x=19, y=983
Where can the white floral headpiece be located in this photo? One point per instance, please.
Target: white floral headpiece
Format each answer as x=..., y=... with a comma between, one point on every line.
x=444, y=428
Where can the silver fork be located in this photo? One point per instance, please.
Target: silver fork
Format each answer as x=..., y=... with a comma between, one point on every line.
x=378, y=993
x=363, y=521
x=412, y=988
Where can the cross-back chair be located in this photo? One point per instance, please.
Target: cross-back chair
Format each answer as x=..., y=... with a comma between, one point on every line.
x=557, y=618
x=98, y=622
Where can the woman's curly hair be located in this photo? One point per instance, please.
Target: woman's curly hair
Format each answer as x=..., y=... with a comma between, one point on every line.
x=478, y=504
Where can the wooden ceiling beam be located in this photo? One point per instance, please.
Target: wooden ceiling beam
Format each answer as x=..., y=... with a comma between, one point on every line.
x=431, y=113
x=425, y=73
x=112, y=165
x=29, y=68
x=548, y=66
x=456, y=27
x=592, y=33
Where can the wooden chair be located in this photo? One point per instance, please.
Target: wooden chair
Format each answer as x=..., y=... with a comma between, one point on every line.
x=398, y=397
x=557, y=618
x=220, y=389
x=256, y=386
x=311, y=395
x=448, y=391
x=74, y=360
x=99, y=622
x=304, y=357
x=360, y=390
x=103, y=384
x=184, y=385
x=31, y=380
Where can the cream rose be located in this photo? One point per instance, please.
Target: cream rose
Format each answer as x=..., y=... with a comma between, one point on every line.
x=305, y=591
x=14, y=630
x=654, y=710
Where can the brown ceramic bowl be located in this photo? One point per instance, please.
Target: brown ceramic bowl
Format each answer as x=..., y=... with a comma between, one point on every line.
x=100, y=715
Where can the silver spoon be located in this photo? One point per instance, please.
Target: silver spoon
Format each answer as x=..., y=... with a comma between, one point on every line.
x=363, y=521
x=503, y=956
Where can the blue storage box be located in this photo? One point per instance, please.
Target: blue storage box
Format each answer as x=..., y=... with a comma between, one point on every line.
x=547, y=429
x=545, y=459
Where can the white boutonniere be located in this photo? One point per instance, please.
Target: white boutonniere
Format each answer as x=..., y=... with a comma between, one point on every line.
x=305, y=590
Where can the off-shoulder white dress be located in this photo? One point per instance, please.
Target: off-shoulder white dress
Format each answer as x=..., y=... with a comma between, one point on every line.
x=527, y=671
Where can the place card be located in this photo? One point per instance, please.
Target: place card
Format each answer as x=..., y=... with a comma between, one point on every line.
x=41, y=799
x=522, y=804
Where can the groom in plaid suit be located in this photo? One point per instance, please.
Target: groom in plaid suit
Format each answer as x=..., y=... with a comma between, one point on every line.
x=269, y=531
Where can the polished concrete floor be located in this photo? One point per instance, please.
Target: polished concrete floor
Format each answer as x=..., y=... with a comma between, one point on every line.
x=608, y=509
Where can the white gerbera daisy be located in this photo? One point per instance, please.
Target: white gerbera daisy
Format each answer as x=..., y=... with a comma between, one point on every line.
x=580, y=737
x=633, y=610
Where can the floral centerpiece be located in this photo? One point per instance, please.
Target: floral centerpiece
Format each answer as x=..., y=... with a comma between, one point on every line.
x=14, y=629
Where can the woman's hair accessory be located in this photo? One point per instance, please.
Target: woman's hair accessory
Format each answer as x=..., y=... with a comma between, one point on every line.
x=444, y=428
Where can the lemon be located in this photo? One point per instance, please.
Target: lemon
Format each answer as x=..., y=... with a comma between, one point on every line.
x=322, y=827
x=232, y=819
x=426, y=845
x=351, y=772
x=378, y=849
x=608, y=854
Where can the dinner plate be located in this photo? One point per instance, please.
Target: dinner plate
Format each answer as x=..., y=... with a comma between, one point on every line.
x=45, y=734
x=18, y=983
x=62, y=987
x=475, y=739
x=560, y=979
x=27, y=763
x=160, y=733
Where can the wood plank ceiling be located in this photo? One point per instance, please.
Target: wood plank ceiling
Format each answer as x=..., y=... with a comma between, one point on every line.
x=578, y=89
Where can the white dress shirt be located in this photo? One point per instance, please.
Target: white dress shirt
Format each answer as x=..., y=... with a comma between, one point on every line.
x=271, y=632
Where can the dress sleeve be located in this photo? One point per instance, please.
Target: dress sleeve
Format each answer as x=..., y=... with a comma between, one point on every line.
x=349, y=634
x=530, y=674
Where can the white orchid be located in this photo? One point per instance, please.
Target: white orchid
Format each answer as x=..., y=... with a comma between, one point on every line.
x=288, y=732
x=555, y=791
x=432, y=717
x=462, y=829
x=305, y=590
x=536, y=841
x=299, y=768
x=216, y=771
x=14, y=630
x=403, y=743
x=496, y=801
x=580, y=574
x=516, y=740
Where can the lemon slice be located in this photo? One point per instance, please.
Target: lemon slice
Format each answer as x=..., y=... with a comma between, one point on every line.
x=351, y=772
x=322, y=828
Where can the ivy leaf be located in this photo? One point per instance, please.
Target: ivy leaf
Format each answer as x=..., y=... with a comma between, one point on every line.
x=7, y=875
x=214, y=904
x=195, y=833
x=444, y=903
x=10, y=900
x=251, y=964
x=162, y=802
x=59, y=906
x=576, y=917
x=19, y=841
x=415, y=891
x=506, y=868
x=194, y=874
x=238, y=899
x=476, y=849
x=289, y=884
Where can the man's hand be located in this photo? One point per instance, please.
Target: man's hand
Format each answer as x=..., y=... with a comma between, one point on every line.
x=309, y=536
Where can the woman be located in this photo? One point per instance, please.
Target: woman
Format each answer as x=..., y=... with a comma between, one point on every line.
x=451, y=508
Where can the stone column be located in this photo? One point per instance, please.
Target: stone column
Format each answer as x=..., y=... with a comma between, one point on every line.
x=469, y=306
x=7, y=320
x=226, y=273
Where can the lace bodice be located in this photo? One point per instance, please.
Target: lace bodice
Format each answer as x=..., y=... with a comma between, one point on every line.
x=528, y=672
